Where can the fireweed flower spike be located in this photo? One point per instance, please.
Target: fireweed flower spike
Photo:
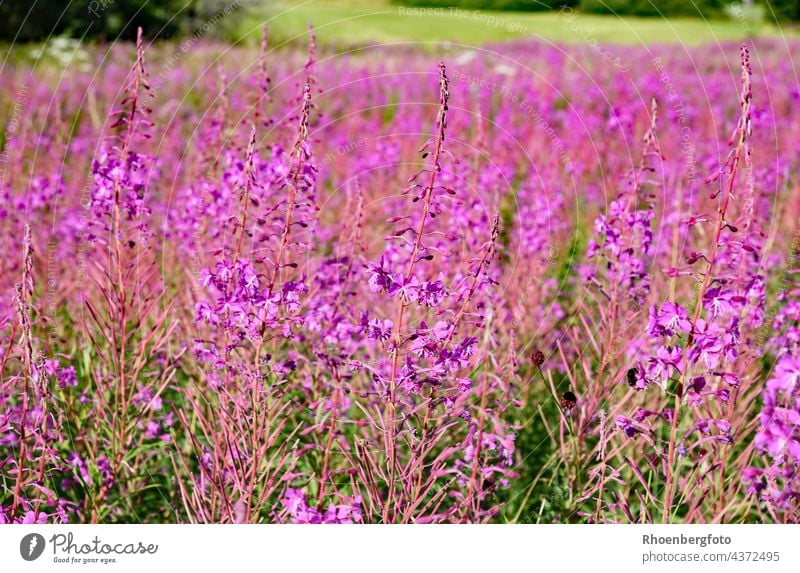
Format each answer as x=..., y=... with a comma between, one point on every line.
x=618, y=286
x=215, y=131
x=407, y=285
x=32, y=420
x=264, y=81
x=312, y=51
x=428, y=350
x=127, y=276
x=300, y=184
x=689, y=352
x=251, y=309
x=712, y=341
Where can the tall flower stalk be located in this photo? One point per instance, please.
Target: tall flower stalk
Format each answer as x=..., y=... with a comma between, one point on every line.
x=741, y=136
x=433, y=148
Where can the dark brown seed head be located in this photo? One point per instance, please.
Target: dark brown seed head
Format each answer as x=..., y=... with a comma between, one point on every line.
x=537, y=357
x=568, y=400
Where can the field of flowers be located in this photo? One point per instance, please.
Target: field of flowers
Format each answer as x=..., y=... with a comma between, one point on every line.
x=518, y=284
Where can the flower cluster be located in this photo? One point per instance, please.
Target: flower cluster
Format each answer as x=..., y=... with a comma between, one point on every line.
x=374, y=289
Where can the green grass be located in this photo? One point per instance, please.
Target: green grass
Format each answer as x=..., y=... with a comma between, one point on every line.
x=356, y=22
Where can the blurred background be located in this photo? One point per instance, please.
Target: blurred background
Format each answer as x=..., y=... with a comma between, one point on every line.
x=362, y=21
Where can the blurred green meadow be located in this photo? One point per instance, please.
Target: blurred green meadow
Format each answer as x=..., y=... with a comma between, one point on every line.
x=352, y=22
